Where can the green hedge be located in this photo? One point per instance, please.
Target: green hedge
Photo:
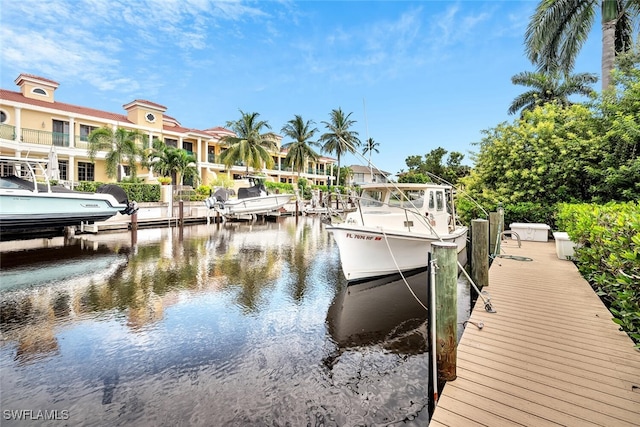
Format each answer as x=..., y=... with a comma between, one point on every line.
x=135, y=192
x=608, y=255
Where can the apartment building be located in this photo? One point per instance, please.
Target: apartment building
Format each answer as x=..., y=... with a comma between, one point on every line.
x=367, y=175
x=32, y=121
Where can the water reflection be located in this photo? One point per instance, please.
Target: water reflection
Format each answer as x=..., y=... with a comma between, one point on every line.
x=382, y=311
x=233, y=324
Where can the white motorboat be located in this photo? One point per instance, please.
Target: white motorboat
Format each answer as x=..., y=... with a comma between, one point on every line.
x=28, y=200
x=394, y=227
x=252, y=200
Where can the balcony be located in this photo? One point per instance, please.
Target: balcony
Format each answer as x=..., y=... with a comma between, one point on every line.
x=7, y=132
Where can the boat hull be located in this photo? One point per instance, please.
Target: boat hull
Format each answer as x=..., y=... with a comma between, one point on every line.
x=253, y=205
x=24, y=210
x=367, y=253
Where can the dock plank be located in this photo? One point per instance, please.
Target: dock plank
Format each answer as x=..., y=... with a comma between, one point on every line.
x=551, y=355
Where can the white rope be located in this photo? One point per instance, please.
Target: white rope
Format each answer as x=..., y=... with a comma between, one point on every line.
x=400, y=271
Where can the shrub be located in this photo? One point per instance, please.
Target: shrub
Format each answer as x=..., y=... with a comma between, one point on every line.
x=608, y=255
x=135, y=192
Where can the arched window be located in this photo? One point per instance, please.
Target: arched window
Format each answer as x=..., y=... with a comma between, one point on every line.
x=39, y=91
x=3, y=116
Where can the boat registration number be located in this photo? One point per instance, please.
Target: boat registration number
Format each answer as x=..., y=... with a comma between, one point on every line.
x=362, y=237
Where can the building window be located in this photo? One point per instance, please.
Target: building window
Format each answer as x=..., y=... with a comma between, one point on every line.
x=63, y=167
x=85, y=130
x=171, y=142
x=60, y=133
x=86, y=171
x=39, y=91
x=3, y=116
x=188, y=146
x=358, y=177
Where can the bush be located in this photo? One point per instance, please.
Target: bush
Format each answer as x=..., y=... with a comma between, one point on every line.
x=608, y=255
x=135, y=192
x=281, y=187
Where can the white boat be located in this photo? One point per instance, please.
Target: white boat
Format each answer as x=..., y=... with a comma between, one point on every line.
x=252, y=200
x=394, y=227
x=28, y=200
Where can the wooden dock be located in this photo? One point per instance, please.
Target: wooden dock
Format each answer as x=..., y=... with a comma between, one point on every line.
x=550, y=355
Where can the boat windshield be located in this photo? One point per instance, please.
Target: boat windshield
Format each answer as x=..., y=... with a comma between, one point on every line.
x=396, y=198
x=407, y=199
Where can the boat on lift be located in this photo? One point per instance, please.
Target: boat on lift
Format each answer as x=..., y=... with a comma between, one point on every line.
x=29, y=201
x=251, y=200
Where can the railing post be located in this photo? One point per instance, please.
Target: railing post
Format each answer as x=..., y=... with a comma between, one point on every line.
x=445, y=256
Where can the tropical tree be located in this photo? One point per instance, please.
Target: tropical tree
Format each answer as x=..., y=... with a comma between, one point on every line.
x=339, y=139
x=299, y=150
x=250, y=145
x=549, y=87
x=121, y=147
x=176, y=162
x=559, y=28
x=369, y=147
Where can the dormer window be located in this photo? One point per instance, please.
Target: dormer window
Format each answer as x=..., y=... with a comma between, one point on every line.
x=3, y=116
x=39, y=91
x=150, y=117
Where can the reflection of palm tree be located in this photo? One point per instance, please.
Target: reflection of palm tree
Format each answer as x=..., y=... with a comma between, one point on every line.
x=300, y=260
x=299, y=150
x=121, y=147
x=252, y=269
x=339, y=139
x=250, y=145
x=548, y=88
x=558, y=29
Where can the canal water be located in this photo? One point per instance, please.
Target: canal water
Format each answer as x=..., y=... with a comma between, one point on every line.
x=235, y=324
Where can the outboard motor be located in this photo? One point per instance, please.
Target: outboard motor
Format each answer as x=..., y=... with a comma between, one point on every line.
x=221, y=195
x=121, y=197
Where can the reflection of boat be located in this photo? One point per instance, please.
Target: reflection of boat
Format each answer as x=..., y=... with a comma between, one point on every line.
x=250, y=200
x=381, y=311
x=394, y=227
x=29, y=201
x=32, y=268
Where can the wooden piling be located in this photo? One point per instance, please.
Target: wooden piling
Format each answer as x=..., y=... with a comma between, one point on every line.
x=445, y=255
x=480, y=252
x=181, y=213
x=496, y=227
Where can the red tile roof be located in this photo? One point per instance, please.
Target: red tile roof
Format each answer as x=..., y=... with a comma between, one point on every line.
x=145, y=102
x=18, y=97
x=32, y=76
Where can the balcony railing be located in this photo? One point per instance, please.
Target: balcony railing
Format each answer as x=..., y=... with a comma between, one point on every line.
x=7, y=132
x=33, y=136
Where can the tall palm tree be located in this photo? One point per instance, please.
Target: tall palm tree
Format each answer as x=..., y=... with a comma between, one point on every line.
x=250, y=145
x=559, y=28
x=121, y=147
x=546, y=88
x=175, y=162
x=339, y=139
x=369, y=147
x=300, y=148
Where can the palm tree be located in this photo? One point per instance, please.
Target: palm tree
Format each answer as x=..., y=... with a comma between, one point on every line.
x=559, y=28
x=370, y=146
x=339, y=139
x=546, y=88
x=299, y=150
x=250, y=145
x=175, y=162
x=121, y=147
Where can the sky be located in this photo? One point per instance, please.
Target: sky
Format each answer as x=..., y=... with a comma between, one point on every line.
x=413, y=75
